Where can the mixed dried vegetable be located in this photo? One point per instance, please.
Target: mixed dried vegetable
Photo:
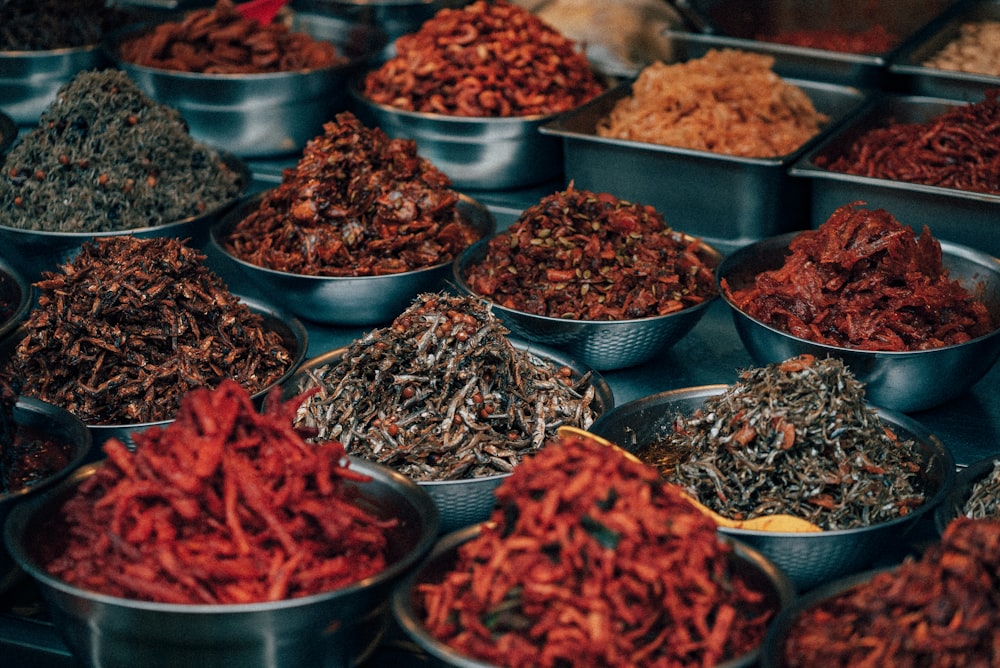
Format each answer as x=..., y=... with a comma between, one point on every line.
x=591, y=559
x=863, y=280
x=443, y=394
x=591, y=256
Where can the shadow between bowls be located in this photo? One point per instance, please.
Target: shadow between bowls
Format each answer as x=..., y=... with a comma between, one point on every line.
x=343, y=300
x=809, y=559
x=906, y=381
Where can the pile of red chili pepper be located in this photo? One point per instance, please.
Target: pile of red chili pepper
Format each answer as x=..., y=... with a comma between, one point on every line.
x=940, y=610
x=357, y=204
x=591, y=256
x=592, y=559
x=874, y=40
x=224, y=505
x=864, y=280
x=487, y=59
x=959, y=149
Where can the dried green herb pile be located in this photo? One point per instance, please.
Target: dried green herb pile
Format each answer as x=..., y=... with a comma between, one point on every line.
x=105, y=157
x=797, y=437
x=127, y=327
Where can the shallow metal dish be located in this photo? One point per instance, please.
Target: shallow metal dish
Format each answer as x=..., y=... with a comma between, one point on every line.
x=960, y=216
x=904, y=381
x=45, y=421
x=465, y=502
x=336, y=628
x=965, y=481
x=29, y=80
x=259, y=115
x=477, y=153
x=598, y=344
x=746, y=561
x=343, y=300
x=34, y=251
x=808, y=559
x=726, y=200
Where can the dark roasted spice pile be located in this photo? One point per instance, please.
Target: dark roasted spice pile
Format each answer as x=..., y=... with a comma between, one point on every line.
x=984, y=497
x=105, y=157
x=592, y=559
x=591, y=256
x=26, y=455
x=44, y=25
x=442, y=394
x=864, y=280
x=128, y=326
x=357, y=204
x=940, y=610
x=795, y=437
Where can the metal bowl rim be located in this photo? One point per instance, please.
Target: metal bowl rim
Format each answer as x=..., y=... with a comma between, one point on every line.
x=62, y=51
x=447, y=119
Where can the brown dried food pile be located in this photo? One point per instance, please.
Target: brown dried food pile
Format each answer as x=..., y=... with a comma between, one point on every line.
x=863, y=280
x=218, y=40
x=486, y=59
x=796, y=437
x=44, y=25
x=591, y=559
x=357, y=204
x=586, y=256
x=959, y=149
x=127, y=327
x=941, y=610
x=442, y=394
x=224, y=505
x=105, y=157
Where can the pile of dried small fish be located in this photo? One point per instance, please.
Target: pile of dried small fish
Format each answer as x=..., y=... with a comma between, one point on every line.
x=442, y=394
x=796, y=437
x=984, y=498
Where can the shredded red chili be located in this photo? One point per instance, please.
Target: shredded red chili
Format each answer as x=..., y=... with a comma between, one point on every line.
x=959, y=149
x=591, y=256
x=864, y=280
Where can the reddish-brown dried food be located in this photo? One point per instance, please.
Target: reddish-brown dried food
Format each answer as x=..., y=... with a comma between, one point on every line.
x=224, y=505
x=592, y=559
x=357, y=204
x=874, y=40
x=486, y=59
x=864, y=280
x=591, y=256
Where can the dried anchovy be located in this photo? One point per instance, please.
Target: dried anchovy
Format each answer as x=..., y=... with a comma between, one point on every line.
x=591, y=256
x=43, y=25
x=105, y=157
x=130, y=325
x=984, y=499
x=797, y=437
x=442, y=394
x=357, y=204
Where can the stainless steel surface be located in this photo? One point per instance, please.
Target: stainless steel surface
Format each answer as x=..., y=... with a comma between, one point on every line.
x=50, y=422
x=808, y=559
x=600, y=345
x=905, y=381
x=726, y=200
x=916, y=79
x=461, y=503
x=475, y=152
x=259, y=115
x=336, y=628
x=33, y=251
x=746, y=561
x=336, y=300
x=29, y=80
x=961, y=216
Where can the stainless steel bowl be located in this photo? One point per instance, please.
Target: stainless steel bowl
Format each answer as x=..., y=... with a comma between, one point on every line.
x=476, y=153
x=903, y=381
x=18, y=293
x=29, y=80
x=336, y=628
x=809, y=559
x=406, y=608
x=38, y=419
x=343, y=300
x=259, y=115
x=34, y=251
x=598, y=344
x=465, y=502
x=965, y=481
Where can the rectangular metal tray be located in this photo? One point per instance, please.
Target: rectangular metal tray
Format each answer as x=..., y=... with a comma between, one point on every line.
x=728, y=201
x=963, y=217
x=912, y=76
